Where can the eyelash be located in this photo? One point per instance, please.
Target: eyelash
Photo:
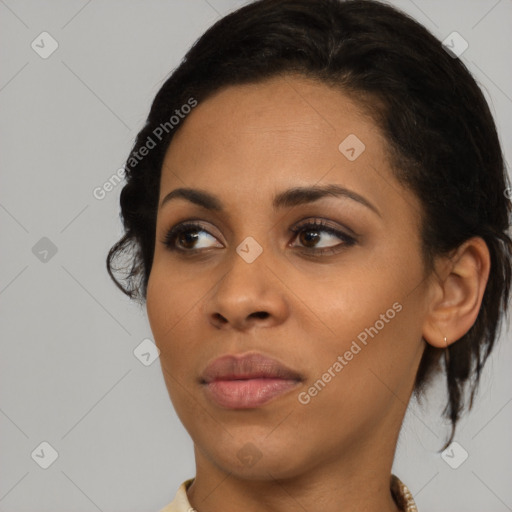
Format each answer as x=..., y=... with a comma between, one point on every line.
x=316, y=225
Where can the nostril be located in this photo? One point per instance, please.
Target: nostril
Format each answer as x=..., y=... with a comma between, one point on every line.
x=260, y=314
x=220, y=318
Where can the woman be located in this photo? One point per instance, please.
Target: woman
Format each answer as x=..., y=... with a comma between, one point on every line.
x=316, y=218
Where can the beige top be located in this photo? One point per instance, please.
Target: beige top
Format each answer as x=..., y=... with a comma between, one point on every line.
x=400, y=492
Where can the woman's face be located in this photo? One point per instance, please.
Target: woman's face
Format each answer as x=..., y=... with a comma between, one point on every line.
x=341, y=303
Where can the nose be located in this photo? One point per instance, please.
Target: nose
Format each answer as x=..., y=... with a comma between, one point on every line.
x=248, y=295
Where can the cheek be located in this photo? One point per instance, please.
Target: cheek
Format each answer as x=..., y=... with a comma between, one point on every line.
x=170, y=303
x=343, y=304
x=369, y=315
x=357, y=376
x=171, y=296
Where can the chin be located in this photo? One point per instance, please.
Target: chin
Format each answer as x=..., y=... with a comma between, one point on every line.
x=253, y=457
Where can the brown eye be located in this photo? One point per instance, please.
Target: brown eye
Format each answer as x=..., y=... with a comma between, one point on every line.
x=309, y=236
x=187, y=239
x=320, y=237
x=184, y=237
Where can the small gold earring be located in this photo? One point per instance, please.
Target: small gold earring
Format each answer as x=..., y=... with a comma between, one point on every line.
x=446, y=352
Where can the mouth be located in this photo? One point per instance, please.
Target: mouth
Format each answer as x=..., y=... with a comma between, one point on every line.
x=246, y=382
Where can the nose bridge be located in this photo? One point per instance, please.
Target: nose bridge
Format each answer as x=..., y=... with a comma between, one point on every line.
x=246, y=272
x=248, y=289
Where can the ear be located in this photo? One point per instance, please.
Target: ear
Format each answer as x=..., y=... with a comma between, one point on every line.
x=457, y=289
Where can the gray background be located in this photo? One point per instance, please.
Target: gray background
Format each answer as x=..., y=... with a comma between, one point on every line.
x=68, y=373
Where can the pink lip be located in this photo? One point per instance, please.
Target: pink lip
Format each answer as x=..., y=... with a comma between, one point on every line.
x=244, y=382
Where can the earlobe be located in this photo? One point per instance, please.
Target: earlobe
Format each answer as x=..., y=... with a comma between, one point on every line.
x=458, y=295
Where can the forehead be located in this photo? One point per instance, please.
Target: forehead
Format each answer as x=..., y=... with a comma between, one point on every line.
x=256, y=139
x=279, y=114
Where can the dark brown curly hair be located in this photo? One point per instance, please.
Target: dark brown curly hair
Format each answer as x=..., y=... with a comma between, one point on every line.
x=442, y=141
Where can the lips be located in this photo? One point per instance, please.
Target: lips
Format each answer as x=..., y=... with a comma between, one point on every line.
x=242, y=382
x=250, y=366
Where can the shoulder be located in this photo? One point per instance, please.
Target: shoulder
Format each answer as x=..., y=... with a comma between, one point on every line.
x=180, y=502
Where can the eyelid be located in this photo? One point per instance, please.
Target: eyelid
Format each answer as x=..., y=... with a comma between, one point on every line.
x=314, y=223
x=193, y=222
x=329, y=224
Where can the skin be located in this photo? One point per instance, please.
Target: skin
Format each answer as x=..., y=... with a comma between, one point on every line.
x=246, y=144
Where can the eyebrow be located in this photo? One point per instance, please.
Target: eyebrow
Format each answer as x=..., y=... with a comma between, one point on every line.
x=286, y=199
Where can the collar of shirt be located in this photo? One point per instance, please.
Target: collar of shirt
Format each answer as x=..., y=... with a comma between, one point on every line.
x=399, y=491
